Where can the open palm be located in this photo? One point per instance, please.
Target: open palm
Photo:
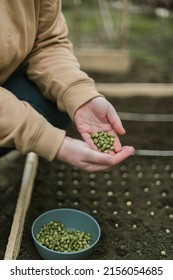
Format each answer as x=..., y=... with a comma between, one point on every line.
x=95, y=115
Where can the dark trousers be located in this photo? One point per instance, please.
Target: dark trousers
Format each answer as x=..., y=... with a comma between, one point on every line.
x=26, y=90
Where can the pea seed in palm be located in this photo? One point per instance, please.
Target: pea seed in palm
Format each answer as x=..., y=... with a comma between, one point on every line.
x=103, y=141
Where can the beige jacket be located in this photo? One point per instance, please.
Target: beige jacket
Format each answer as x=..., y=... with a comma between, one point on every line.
x=34, y=32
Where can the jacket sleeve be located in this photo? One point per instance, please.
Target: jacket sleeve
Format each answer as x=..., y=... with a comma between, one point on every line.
x=22, y=127
x=52, y=64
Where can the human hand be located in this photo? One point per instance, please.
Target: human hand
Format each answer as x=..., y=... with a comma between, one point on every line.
x=78, y=153
x=98, y=115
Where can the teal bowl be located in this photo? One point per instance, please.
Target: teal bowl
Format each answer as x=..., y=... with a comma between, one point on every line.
x=73, y=220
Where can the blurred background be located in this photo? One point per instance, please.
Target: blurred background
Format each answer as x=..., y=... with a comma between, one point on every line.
x=130, y=38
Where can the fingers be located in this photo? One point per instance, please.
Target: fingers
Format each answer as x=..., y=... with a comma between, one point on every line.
x=116, y=122
x=88, y=159
x=99, y=161
x=117, y=144
x=123, y=154
x=107, y=159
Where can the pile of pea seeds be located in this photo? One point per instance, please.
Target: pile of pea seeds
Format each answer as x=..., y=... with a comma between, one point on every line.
x=103, y=141
x=54, y=236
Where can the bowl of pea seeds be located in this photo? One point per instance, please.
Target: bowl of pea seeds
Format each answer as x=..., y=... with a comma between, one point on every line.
x=65, y=234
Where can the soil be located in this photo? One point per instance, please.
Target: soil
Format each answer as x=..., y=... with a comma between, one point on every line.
x=132, y=202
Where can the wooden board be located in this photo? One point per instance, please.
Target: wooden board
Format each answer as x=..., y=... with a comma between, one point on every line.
x=130, y=89
x=104, y=60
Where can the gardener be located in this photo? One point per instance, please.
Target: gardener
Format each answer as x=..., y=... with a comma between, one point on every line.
x=42, y=88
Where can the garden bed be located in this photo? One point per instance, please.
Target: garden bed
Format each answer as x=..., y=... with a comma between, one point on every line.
x=132, y=202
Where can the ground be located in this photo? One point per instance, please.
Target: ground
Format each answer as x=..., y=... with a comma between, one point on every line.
x=132, y=202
